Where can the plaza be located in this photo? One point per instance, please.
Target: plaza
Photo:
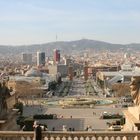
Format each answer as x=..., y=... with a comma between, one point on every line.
x=77, y=118
x=81, y=118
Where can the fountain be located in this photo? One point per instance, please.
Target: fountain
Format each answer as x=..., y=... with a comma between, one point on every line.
x=78, y=102
x=83, y=102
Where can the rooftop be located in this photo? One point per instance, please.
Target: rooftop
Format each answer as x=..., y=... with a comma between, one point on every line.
x=125, y=73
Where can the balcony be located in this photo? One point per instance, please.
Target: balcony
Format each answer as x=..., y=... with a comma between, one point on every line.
x=77, y=135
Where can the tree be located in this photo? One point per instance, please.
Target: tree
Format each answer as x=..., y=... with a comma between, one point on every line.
x=52, y=85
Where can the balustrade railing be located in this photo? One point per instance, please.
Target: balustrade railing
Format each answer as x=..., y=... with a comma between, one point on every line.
x=76, y=135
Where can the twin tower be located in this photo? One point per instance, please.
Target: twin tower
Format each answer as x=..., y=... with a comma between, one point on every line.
x=41, y=58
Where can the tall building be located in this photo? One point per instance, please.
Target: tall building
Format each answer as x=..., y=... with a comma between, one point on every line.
x=57, y=55
x=67, y=61
x=70, y=72
x=86, y=72
x=27, y=58
x=40, y=58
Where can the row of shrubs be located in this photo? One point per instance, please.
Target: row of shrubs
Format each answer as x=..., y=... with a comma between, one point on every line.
x=45, y=116
x=65, y=90
x=26, y=123
x=117, y=122
x=112, y=116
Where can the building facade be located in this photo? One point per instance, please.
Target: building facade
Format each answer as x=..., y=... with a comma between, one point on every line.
x=27, y=58
x=57, y=56
x=40, y=58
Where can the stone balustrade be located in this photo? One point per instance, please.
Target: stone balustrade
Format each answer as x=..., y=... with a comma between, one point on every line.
x=76, y=135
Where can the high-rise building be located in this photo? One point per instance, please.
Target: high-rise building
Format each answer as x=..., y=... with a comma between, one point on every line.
x=70, y=72
x=67, y=61
x=57, y=55
x=27, y=58
x=40, y=58
x=86, y=72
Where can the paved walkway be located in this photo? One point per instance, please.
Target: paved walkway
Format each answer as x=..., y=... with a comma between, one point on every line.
x=84, y=116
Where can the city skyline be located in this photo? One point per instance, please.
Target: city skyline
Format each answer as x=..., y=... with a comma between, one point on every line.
x=31, y=22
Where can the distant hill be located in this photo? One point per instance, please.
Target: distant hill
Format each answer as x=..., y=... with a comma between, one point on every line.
x=67, y=46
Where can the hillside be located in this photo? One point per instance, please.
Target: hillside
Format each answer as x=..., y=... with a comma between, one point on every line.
x=66, y=46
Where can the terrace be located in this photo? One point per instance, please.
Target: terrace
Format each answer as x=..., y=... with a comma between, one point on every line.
x=77, y=135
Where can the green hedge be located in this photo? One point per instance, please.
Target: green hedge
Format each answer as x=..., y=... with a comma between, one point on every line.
x=45, y=116
x=28, y=122
x=19, y=106
x=113, y=116
x=20, y=121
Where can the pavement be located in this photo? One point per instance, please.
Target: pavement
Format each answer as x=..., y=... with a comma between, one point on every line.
x=81, y=117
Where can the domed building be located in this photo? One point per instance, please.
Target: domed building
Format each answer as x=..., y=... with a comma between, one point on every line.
x=33, y=73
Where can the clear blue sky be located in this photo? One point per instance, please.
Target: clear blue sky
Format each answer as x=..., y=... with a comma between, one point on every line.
x=38, y=21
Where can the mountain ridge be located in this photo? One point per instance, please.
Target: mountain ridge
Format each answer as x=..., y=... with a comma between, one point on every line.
x=66, y=46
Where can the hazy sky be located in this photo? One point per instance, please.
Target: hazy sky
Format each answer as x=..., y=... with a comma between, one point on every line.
x=38, y=21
